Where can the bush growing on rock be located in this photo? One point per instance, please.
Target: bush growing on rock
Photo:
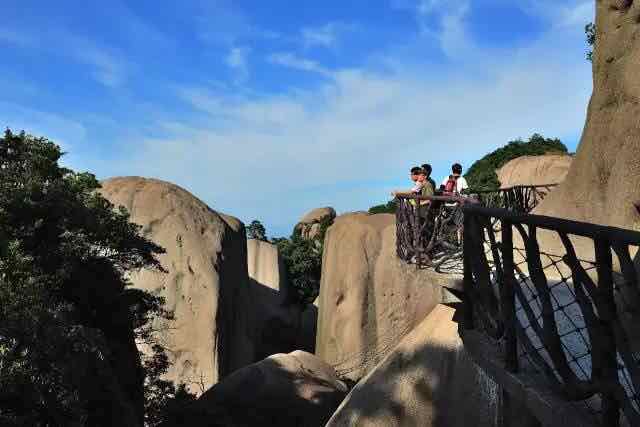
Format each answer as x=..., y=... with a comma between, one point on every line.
x=389, y=207
x=303, y=261
x=482, y=174
x=256, y=230
x=68, y=319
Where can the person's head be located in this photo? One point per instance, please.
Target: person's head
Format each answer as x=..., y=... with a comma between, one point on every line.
x=414, y=173
x=427, y=169
x=456, y=169
x=422, y=175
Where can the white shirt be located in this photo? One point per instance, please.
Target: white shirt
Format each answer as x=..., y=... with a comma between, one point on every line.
x=461, y=183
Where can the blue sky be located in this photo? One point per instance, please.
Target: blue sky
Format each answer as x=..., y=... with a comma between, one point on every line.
x=268, y=109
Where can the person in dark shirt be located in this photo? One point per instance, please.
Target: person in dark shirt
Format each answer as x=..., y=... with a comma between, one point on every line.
x=427, y=168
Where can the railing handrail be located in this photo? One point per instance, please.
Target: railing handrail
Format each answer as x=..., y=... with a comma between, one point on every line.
x=452, y=199
x=552, y=185
x=568, y=226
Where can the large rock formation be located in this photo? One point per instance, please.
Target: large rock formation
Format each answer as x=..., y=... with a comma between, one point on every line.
x=206, y=286
x=310, y=224
x=428, y=380
x=604, y=179
x=279, y=324
x=369, y=299
x=295, y=389
x=535, y=170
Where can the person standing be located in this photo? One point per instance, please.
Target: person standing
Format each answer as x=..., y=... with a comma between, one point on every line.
x=427, y=169
x=455, y=184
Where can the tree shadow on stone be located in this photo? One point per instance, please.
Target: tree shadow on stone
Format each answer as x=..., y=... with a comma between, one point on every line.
x=430, y=386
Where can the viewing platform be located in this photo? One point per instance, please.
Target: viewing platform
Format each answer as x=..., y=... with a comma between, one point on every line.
x=555, y=325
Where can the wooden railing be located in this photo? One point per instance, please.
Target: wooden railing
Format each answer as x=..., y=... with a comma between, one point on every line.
x=519, y=198
x=429, y=228
x=566, y=316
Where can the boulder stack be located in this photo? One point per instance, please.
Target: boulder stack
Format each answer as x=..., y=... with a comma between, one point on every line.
x=206, y=286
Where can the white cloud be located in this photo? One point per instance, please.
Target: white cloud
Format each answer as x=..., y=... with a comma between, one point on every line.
x=62, y=130
x=350, y=138
x=287, y=59
x=108, y=69
x=238, y=60
x=108, y=66
x=331, y=144
x=326, y=35
x=443, y=22
x=570, y=13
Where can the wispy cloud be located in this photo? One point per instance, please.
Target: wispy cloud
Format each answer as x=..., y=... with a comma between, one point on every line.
x=327, y=35
x=288, y=59
x=223, y=22
x=108, y=67
x=361, y=125
x=238, y=60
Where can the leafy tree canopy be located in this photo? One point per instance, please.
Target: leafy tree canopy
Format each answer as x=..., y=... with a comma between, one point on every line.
x=256, y=230
x=590, y=31
x=482, y=174
x=68, y=318
x=389, y=207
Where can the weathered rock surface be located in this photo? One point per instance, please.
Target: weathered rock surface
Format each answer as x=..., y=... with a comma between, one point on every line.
x=206, y=286
x=535, y=170
x=265, y=266
x=369, y=299
x=427, y=380
x=310, y=223
x=603, y=182
x=295, y=389
x=279, y=325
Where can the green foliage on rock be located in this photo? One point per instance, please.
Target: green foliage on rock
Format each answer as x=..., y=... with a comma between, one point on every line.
x=303, y=261
x=482, y=174
x=389, y=207
x=590, y=31
x=69, y=320
x=256, y=231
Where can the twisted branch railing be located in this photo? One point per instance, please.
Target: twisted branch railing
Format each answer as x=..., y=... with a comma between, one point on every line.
x=430, y=234
x=428, y=228
x=519, y=198
x=557, y=314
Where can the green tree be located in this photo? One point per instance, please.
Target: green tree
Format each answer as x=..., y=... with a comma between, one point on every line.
x=303, y=261
x=590, y=32
x=389, y=207
x=482, y=174
x=69, y=320
x=256, y=230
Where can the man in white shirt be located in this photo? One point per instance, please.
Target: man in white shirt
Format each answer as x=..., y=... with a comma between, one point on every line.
x=455, y=184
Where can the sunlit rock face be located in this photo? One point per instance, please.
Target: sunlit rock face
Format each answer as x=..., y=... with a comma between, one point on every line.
x=534, y=170
x=369, y=298
x=427, y=380
x=310, y=223
x=206, y=286
x=603, y=182
x=279, y=324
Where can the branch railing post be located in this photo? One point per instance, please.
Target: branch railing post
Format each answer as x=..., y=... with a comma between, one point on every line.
x=551, y=321
x=468, y=273
x=508, y=298
x=607, y=373
x=417, y=235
